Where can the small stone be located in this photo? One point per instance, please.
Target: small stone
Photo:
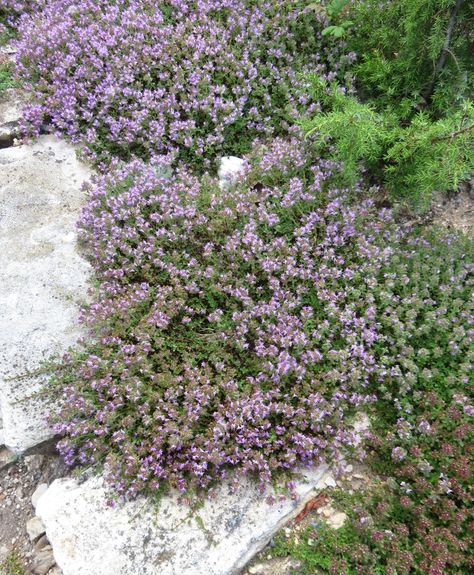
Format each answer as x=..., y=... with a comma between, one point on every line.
x=229, y=169
x=8, y=131
x=358, y=476
x=327, y=511
x=55, y=571
x=35, y=528
x=330, y=481
x=43, y=561
x=254, y=570
x=337, y=520
x=349, y=468
x=38, y=492
x=287, y=532
x=41, y=543
x=7, y=457
x=8, y=49
x=310, y=542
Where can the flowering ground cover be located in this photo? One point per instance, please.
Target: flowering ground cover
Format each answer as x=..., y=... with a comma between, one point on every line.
x=243, y=327
x=236, y=327
x=197, y=78
x=10, y=12
x=418, y=520
x=240, y=330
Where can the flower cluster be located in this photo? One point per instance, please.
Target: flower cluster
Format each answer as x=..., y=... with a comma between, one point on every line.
x=11, y=10
x=199, y=78
x=419, y=520
x=422, y=523
x=234, y=328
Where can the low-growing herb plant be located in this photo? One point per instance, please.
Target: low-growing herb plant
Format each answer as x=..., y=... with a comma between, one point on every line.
x=242, y=328
x=235, y=328
x=6, y=77
x=11, y=11
x=191, y=78
x=418, y=520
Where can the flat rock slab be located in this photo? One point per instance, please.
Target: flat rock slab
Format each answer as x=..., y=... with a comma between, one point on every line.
x=43, y=278
x=11, y=105
x=89, y=536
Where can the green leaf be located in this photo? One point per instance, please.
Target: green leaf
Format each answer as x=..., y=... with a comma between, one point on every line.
x=336, y=31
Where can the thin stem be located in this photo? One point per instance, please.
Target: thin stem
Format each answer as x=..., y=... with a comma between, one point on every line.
x=428, y=92
x=454, y=134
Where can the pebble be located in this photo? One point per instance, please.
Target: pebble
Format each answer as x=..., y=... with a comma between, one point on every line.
x=34, y=462
x=41, y=543
x=327, y=511
x=34, y=528
x=330, y=481
x=43, y=561
x=337, y=520
x=42, y=487
x=6, y=457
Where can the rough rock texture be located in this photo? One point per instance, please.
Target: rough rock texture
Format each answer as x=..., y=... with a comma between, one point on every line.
x=42, y=278
x=136, y=538
x=18, y=482
x=11, y=105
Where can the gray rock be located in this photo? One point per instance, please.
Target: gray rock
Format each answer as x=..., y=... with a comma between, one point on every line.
x=43, y=561
x=90, y=537
x=6, y=457
x=38, y=492
x=35, y=528
x=42, y=278
x=42, y=543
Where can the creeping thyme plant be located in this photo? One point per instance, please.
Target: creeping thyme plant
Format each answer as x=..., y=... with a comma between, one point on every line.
x=235, y=328
x=197, y=78
x=238, y=331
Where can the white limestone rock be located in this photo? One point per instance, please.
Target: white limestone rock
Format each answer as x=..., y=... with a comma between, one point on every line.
x=89, y=537
x=229, y=169
x=43, y=278
x=12, y=105
x=38, y=492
